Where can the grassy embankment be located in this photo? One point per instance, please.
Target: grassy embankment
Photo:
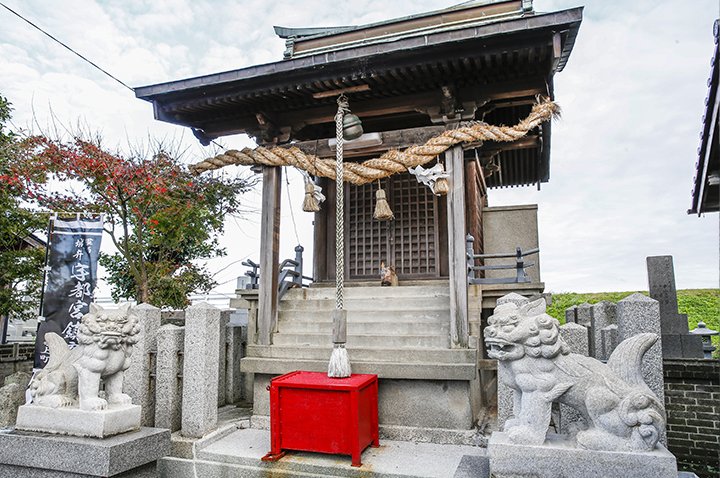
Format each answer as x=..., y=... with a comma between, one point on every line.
x=698, y=304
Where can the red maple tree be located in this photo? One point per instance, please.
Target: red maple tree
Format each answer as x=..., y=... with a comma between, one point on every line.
x=160, y=217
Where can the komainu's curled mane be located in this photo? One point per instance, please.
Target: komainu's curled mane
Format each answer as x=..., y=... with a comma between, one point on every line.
x=620, y=411
x=106, y=339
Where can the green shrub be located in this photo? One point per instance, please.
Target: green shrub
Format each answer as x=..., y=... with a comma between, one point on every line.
x=699, y=305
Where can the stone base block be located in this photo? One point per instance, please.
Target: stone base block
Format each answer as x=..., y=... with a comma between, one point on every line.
x=416, y=403
x=438, y=436
x=32, y=454
x=559, y=458
x=76, y=422
x=682, y=346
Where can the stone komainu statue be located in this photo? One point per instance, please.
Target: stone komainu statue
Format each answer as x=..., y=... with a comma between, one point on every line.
x=620, y=410
x=105, y=340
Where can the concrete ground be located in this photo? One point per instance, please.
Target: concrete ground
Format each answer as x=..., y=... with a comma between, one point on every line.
x=238, y=454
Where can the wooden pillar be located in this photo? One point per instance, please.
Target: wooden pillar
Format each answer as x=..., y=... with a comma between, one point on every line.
x=320, y=245
x=454, y=159
x=474, y=205
x=269, y=254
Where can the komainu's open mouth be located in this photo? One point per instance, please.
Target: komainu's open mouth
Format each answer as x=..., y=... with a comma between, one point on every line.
x=498, y=346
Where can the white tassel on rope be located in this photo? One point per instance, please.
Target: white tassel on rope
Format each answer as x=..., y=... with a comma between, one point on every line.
x=339, y=365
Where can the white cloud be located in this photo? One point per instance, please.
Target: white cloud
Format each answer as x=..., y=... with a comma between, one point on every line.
x=623, y=154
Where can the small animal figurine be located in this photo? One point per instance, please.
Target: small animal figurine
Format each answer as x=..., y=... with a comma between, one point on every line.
x=388, y=277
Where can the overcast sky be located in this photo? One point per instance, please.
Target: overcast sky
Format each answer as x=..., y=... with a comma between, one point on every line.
x=623, y=154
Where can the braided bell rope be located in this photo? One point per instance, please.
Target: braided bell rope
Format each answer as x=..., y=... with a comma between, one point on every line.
x=339, y=204
x=391, y=162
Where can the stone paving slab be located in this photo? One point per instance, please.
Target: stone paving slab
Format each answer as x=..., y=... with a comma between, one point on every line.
x=239, y=454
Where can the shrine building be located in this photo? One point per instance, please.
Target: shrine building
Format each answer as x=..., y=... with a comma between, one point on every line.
x=408, y=80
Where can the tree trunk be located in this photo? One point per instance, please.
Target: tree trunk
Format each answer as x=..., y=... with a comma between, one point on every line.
x=143, y=294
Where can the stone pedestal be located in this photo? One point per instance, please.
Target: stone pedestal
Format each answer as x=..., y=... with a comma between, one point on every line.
x=30, y=454
x=73, y=421
x=558, y=457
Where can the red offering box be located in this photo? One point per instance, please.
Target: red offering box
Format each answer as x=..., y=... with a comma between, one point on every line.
x=311, y=412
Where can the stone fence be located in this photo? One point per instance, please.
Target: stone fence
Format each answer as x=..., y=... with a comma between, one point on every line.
x=691, y=386
x=692, y=399
x=181, y=374
x=17, y=357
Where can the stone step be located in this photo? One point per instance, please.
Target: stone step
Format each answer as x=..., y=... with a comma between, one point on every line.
x=440, y=315
x=380, y=304
x=366, y=340
x=393, y=370
x=330, y=284
x=367, y=354
x=239, y=454
x=288, y=326
x=369, y=292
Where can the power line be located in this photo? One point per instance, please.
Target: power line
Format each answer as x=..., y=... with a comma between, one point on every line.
x=292, y=214
x=63, y=44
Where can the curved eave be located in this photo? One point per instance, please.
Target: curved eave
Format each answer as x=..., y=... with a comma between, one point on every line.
x=706, y=197
x=298, y=69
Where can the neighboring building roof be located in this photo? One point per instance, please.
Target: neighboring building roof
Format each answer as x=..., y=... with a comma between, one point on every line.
x=33, y=241
x=706, y=185
x=29, y=241
x=496, y=57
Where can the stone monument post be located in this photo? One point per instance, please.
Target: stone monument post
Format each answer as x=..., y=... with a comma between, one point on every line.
x=138, y=383
x=200, y=370
x=637, y=314
x=676, y=341
x=168, y=404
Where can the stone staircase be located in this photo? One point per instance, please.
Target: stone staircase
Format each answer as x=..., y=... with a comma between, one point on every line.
x=395, y=332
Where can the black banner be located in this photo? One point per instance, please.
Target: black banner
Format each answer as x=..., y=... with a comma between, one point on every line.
x=70, y=280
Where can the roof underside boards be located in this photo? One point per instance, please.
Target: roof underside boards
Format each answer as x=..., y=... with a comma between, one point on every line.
x=491, y=72
x=706, y=185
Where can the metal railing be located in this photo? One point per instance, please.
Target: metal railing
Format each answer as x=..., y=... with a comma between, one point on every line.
x=290, y=273
x=253, y=274
x=519, y=265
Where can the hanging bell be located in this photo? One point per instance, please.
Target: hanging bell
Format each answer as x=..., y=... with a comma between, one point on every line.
x=352, y=127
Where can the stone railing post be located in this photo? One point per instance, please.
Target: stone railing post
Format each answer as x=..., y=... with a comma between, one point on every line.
x=168, y=381
x=248, y=299
x=576, y=337
x=603, y=315
x=200, y=370
x=222, y=355
x=137, y=381
x=636, y=314
x=234, y=380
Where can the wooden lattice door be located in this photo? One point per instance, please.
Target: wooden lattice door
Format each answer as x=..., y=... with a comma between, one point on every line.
x=410, y=242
